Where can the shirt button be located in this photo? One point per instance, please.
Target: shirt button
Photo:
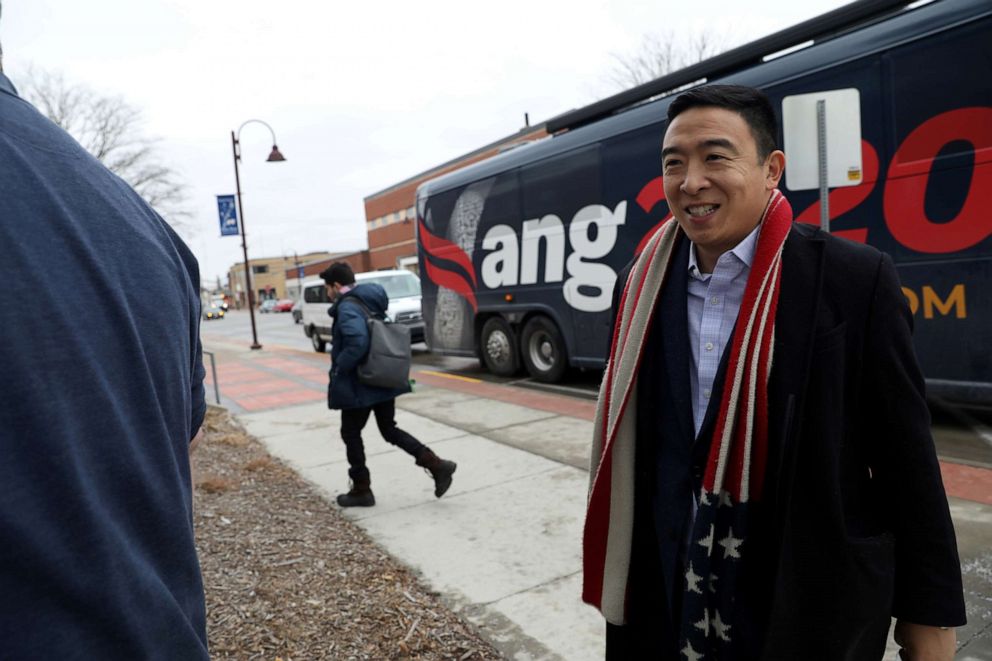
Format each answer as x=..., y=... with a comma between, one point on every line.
x=709, y=346
x=707, y=393
x=715, y=300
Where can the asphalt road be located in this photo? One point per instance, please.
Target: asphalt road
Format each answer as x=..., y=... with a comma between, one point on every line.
x=961, y=435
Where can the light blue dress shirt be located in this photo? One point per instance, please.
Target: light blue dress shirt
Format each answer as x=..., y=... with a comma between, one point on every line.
x=713, y=303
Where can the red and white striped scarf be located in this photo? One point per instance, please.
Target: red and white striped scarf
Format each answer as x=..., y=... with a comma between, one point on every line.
x=738, y=451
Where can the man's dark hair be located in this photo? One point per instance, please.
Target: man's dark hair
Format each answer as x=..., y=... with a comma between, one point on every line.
x=748, y=102
x=339, y=272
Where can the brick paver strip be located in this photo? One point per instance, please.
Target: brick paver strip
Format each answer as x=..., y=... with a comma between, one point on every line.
x=240, y=377
x=275, y=361
x=967, y=482
x=270, y=386
x=305, y=369
x=279, y=400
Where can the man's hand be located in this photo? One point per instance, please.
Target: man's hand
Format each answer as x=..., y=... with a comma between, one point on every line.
x=920, y=642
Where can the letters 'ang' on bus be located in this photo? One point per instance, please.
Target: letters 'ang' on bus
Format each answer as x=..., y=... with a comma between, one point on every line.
x=519, y=253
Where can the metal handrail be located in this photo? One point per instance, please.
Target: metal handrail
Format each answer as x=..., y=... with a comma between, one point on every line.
x=213, y=371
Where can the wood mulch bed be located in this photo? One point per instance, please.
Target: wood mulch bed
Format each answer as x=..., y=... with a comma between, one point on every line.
x=287, y=577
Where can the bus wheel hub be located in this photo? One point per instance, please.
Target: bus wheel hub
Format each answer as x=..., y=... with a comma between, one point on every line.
x=498, y=346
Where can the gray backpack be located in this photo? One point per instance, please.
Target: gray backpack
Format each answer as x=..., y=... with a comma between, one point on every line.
x=387, y=363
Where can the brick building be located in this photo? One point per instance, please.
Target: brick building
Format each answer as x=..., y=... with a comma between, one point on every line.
x=359, y=262
x=268, y=275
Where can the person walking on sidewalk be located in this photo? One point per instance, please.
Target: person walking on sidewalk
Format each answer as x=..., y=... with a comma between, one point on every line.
x=356, y=400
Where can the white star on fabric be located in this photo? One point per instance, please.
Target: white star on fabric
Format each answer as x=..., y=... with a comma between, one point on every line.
x=691, y=654
x=704, y=624
x=692, y=580
x=706, y=498
x=725, y=499
x=722, y=630
x=712, y=582
x=707, y=542
x=730, y=544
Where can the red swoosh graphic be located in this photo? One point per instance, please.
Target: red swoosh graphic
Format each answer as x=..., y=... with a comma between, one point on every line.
x=443, y=249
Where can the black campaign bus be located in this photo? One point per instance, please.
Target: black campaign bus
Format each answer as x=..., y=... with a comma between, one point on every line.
x=519, y=253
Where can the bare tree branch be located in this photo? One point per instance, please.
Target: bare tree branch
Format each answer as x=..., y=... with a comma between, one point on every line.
x=110, y=129
x=660, y=54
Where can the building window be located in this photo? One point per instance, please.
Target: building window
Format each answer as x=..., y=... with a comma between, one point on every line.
x=260, y=268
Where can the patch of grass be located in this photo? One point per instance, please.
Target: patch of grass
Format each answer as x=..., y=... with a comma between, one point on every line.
x=259, y=464
x=215, y=484
x=234, y=439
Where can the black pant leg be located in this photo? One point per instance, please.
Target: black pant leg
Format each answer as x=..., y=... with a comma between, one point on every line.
x=385, y=418
x=352, y=423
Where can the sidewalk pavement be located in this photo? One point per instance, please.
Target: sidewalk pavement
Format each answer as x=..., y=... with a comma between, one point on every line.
x=503, y=545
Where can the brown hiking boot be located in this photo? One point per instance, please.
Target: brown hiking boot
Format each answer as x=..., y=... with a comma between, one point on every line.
x=440, y=469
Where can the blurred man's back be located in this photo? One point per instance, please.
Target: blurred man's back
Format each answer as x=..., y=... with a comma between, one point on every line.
x=101, y=394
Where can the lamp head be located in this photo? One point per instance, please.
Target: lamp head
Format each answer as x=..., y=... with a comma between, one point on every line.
x=275, y=156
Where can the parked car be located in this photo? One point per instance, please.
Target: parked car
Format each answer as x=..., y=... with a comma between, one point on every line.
x=213, y=311
x=221, y=302
x=267, y=305
x=297, y=311
x=402, y=287
x=283, y=305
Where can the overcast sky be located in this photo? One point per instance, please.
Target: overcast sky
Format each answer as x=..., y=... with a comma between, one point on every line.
x=361, y=94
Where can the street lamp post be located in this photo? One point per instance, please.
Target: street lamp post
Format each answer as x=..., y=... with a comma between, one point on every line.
x=274, y=157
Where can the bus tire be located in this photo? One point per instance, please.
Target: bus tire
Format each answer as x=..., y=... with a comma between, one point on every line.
x=319, y=345
x=543, y=350
x=499, y=349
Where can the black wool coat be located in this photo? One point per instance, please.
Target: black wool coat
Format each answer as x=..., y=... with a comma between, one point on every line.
x=853, y=526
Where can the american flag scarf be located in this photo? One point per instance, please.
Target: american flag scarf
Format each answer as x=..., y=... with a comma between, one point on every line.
x=736, y=463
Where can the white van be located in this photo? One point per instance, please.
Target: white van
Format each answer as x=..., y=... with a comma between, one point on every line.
x=402, y=287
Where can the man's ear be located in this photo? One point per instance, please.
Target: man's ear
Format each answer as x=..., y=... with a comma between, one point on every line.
x=774, y=169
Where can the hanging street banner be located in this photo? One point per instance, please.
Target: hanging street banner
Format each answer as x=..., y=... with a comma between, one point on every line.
x=228, y=215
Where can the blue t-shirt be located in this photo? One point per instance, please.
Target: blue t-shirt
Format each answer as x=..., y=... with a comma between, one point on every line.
x=100, y=394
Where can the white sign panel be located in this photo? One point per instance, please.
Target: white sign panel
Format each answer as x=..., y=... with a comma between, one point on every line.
x=843, y=132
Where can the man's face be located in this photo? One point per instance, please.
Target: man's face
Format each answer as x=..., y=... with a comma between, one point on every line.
x=715, y=185
x=332, y=291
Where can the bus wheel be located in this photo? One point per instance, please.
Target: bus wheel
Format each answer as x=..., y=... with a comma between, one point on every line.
x=318, y=344
x=499, y=347
x=544, y=350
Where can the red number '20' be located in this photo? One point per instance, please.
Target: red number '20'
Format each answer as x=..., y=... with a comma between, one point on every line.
x=907, y=184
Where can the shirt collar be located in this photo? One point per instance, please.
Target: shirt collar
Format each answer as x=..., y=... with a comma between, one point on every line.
x=743, y=251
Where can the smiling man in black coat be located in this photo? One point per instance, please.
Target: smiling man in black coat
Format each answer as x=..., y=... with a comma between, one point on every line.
x=764, y=483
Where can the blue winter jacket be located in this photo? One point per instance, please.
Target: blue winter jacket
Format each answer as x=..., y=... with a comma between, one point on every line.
x=350, y=344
